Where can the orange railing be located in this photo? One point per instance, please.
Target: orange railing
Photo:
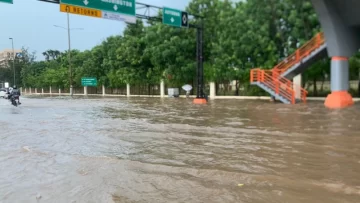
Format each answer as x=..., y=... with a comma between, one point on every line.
x=302, y=52
x=303, y=93
x=278, y=84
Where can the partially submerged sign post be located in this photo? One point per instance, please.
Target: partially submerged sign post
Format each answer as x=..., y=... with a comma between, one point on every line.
x=89, y=82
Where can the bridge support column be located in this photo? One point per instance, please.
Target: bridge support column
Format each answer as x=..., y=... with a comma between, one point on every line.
x=212, y=90
x=339, y=97
x=85, y=90
x=162, y=89
x=297, y=84
x=128, y=90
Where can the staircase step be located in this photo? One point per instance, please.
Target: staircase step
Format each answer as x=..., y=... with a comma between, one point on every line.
x=272, y=92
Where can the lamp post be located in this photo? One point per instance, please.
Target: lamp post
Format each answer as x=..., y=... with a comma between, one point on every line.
x=69, y=53
x=13, y=53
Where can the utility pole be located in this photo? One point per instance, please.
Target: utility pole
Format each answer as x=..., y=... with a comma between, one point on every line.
x=69, y=51
x=69, y=55
x=13, y=53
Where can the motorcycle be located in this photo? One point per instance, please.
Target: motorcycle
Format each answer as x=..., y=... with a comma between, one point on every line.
x=15, y=100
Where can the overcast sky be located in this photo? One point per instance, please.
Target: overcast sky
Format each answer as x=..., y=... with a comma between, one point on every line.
x=31, y=24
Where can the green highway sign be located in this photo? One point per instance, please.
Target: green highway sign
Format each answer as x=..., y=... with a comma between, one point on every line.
x=89, y=82
x=126, y=7
x=175, y=17
x=7, y=1
x=172, y=17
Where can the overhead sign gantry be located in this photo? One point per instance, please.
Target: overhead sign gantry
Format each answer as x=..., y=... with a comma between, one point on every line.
x=125, y=10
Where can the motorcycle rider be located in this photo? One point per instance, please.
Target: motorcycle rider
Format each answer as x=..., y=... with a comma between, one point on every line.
x=15, y=92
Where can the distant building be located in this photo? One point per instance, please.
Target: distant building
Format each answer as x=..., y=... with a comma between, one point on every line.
x=6, y=56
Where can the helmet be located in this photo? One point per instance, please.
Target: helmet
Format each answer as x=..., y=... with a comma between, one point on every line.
x=15, y=87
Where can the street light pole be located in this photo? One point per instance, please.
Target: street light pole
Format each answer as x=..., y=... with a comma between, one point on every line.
x=69, y=54
x=12, y=42
x=69, y=51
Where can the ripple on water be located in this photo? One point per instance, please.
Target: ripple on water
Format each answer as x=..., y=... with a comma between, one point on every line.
x=152, y=150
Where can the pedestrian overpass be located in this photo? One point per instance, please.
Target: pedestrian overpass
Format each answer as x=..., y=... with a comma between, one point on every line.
x=340, y=21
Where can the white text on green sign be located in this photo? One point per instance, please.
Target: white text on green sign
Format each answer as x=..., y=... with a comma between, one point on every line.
x=89, y=82
x=172, y=17
x=175, y=17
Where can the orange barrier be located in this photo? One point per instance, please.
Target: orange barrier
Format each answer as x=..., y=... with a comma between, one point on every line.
x=200, y=101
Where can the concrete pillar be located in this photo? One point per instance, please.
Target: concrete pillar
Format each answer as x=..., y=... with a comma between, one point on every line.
x=85, y=90
x=30, y=90
x=341, y=39
x=35, y=90
x=42, y=90
x=25, y=90
x=339, y=97
x=297, y=84
x=162, y=89
x=59, y=91
x=21, y=90
x=103, y=90
x=50, y=91
x=128, y=90
x=212, y=90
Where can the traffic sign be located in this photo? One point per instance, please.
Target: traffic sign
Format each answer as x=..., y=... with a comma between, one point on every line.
x=80, y=11
x=119, y=17
x=7, y=1
x=184, y=19
x=126, y=7
x=175, y=17
x=89, y=82
x=172, y=17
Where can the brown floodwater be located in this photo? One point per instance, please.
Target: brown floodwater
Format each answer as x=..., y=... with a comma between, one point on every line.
x=151, y=150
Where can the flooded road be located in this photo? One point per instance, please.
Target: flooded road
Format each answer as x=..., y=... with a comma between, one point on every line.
x=152, y=150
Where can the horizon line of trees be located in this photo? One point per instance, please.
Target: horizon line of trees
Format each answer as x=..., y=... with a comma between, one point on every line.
x=238, y=36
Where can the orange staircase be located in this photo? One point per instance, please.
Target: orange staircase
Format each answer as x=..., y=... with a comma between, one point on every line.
x=277, y=81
